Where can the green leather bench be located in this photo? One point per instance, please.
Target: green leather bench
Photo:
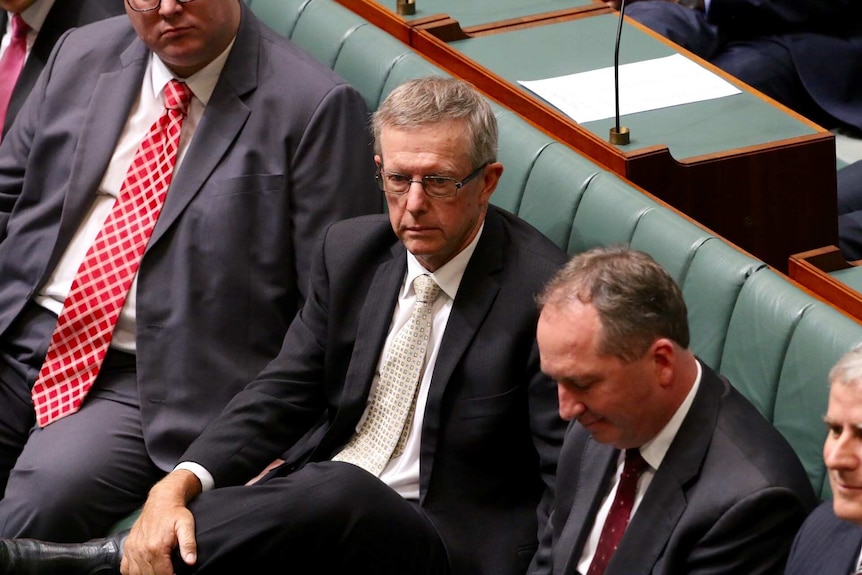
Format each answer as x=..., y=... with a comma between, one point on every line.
x=773, y=340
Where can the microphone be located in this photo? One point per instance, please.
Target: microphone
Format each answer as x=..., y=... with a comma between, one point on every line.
x=619, y=135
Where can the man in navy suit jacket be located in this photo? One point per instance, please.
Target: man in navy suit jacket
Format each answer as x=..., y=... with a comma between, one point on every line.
x=807, y=54
x=50, y=19
x=723, y=493
x=830, y=540
x=275, y=147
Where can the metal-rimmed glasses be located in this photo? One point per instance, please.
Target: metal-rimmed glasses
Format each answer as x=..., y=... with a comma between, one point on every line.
x=149, y=5
x=435, y=186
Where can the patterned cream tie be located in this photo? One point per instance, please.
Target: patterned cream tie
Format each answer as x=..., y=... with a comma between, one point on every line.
x=383, y=433
x=84, y=328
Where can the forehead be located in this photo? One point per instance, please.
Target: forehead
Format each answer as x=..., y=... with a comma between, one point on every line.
x=567, y=332
x=845, y=402
x=446, y=139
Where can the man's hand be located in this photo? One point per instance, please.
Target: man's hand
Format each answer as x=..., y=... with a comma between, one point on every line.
x=165, y=523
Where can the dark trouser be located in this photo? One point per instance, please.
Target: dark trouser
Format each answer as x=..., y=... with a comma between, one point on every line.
x=72, y=480
x=325, y=518
x=763, y=62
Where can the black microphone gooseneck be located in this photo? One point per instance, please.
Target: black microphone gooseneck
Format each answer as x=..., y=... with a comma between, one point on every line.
x=619, y=134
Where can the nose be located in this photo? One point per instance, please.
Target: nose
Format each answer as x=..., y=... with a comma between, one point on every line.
x=571, y=407
x=169, y=7
x=842, y=452
x=416, y=197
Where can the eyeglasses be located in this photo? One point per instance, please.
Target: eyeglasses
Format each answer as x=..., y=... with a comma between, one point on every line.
x=149, y=5
x=435, y=186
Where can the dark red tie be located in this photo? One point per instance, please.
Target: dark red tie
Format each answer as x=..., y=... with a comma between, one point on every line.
x=83, y=332
x=620, y=512
x=12, y=62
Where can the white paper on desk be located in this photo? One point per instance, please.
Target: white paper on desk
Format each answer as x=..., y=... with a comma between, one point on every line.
x=646, y=85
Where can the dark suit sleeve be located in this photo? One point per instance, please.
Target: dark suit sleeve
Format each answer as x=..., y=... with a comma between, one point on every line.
x=333, y=166
x=752, y=537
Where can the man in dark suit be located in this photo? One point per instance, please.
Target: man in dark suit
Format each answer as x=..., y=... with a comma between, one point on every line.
x=719, y=490
x=47, y=19
x=830, y=540
x=274, y=147
x=807, y=54
x=472, y=475
x=850, y=211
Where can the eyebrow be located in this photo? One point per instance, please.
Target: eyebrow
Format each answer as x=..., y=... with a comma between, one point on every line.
x=856, y=426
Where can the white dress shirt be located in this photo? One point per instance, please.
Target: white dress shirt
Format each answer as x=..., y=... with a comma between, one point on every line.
x=402, y=472
x=653, y=453
x=146, y=110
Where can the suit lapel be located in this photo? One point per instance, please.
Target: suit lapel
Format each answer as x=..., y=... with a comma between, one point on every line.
x=223, y=119
x=598, y=463
x=101, y=129
x=476, y=294
x=665, y=502
x=374, y=322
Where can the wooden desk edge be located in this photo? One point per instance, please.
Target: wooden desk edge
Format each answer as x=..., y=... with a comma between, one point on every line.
x=812, y=268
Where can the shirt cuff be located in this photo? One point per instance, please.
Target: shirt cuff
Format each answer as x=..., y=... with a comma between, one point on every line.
x=204, y=476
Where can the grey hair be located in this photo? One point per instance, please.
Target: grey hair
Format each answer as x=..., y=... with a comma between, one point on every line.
x=433, y=99
x=848, y=369
x=636, y=299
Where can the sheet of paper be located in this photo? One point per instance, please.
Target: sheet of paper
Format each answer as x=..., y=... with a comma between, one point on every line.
x=646, y=85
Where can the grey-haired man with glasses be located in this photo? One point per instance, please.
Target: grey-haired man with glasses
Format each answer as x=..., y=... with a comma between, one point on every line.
x=456, y=478
x=161, y=191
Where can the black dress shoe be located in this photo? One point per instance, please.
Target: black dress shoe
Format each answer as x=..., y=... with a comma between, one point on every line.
x=32, y=557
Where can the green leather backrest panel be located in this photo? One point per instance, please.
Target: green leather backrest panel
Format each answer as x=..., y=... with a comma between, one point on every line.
x=554, y=189
x=322, y=28
x=280, y=15
x=821, y=337
x=520, y=146
x=711, y=289
x=367, y=74
x=411, y=65
x=766, y=315
x=608, y=213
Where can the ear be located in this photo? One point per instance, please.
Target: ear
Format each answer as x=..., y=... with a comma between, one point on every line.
x=378, y=161
x=490, y=179
x=663, y=353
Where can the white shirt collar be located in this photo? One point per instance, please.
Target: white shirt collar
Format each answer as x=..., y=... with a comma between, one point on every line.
x=654, y=450
x=35, y=15
x=202, y=83
x=448, y=276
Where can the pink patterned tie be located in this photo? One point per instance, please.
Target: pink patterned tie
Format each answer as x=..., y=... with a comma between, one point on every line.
x=83, y=332
x=620, y=512
x=12, y=62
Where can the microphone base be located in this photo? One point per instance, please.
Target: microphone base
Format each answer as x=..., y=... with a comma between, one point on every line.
x=405, y=8
x=620, y=136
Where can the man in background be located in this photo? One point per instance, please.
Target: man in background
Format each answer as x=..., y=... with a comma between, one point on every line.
x=161, y=191
x=28, y=31
x=830, y=540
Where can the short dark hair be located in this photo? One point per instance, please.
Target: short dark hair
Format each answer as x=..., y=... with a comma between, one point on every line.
x=636, y=299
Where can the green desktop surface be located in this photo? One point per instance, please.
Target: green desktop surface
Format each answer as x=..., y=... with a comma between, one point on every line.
x=580, y=45
x=470, y=13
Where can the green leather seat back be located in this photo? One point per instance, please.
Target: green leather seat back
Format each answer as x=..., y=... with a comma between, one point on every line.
x=554, y=189
x=280, y=15
x=369, y=74
x=322, y=28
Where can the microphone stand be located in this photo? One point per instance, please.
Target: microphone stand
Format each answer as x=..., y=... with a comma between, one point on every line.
x=619, y=135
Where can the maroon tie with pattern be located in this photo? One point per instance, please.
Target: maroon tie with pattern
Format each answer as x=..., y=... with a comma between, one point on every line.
x=621, y=509
x=12, y=62
x=83, y=332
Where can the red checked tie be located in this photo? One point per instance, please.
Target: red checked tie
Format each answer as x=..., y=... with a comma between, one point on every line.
x=12, y=62
x=84, y=329
x=621, y=509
